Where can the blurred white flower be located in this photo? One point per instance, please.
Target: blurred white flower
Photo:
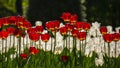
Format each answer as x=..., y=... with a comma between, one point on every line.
x=99, y=61
x=38, y=23
x=96, y=25
x=117, y=29
x=110, y=29
x=61, y=25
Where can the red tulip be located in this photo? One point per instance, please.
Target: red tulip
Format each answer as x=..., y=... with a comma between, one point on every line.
x=26, y=24
x=69, y=27
x=5, y=21
x=4, y=34
x=19, y=33
x=74, y=32
x=64, y=58
x=34, y=36
x=116, y=37
x=79, y=25
x=31, y=30
x=57, y=24
x=81, y=36
x=66, y=16
x=39, y=29
x=12, y=20
x=73, y=19
x=20, y=19
x=50, y=25
x=86, y=26
x=20, y=25
x=45, y=37
x=63, y=30
x=53, y=25
x=24, y=56
x=11, y=30
x=1, y=23
x=103, y=30
x=108, y=38
x=33, y=50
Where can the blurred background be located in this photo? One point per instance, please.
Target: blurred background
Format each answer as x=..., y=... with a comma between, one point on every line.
x=107, y=12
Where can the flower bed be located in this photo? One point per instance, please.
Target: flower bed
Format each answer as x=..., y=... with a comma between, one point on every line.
x=71, y=44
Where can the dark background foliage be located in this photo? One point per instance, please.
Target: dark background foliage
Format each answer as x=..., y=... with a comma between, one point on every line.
x=46, y=11
x=107, y=12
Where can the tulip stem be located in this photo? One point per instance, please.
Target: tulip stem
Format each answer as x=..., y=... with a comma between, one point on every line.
x=51, y=44
x=19, y=45
x=10, y=41
x=13, y=44
x=109, y=49
x=45, y=53
x=104, y=48
x=63, y=43
x=14, y=41
x=26, y=41
x=19, y=48
x=80, y=46
x=66, y=43
x=69, y=40
x=115, y=49
x=54, y=43
x=23, y=44
x=2, y=51
x=74, y=50
x=39, y=44
x=5, y=47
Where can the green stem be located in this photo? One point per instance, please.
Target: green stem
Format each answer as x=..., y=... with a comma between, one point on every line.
x=19, y=48
x=115, y=48
x=85, y=45
x=109, y=49
x=51, y=55
x=14, y=41
x=26, y=41
x=54, y=43
x=2, y=51
x=19, y=45
x=51, y=44
x=35, y=44
x=45, y=54
x=74, y=47
x=63, y=43
x=39, y=43
x=13, y=44
x=80, y=46
x=69, y=40
x=10, y=41
x=5, y=47
x=104, y=48
x=66, y=43
x=23, y=43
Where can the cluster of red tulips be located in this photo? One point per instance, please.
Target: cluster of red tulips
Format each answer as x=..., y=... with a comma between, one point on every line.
x=13, y=25
x=18, y=26
x=109, y=37
x=32, y=51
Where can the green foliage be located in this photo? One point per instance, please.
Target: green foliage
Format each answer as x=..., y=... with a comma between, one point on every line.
x=49, y=60
x=103, y=11
x=8, y=7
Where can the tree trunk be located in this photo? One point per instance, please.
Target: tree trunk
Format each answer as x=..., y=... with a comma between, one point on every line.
x=19, y=7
